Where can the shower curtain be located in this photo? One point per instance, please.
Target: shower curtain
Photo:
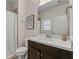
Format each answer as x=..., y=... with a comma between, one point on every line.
x=11, y=33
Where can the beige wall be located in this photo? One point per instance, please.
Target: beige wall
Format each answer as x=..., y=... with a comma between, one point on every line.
x=26, y=8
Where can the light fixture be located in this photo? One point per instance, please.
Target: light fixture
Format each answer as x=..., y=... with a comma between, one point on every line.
x=42, y=2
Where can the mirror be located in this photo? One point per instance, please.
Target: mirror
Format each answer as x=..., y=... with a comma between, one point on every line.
x=53, y=17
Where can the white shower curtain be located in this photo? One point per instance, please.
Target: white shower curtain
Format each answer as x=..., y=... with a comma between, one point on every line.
x=11, y=33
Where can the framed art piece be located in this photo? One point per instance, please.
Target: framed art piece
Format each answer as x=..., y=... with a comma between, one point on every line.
x=30, y=22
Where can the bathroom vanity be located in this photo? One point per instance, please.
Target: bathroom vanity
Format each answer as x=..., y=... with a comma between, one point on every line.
x=47, y=49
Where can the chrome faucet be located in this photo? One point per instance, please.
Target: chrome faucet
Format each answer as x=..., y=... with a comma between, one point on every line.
x=48, y=36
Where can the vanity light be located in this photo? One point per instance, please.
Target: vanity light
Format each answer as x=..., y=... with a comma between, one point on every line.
x=42, y=2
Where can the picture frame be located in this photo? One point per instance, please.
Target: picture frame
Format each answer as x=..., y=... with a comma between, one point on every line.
x=30, y=22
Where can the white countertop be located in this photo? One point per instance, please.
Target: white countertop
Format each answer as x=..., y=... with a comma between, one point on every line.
x=55, y=42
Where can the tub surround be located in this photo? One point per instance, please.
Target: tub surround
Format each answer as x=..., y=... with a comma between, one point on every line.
x=53, y=41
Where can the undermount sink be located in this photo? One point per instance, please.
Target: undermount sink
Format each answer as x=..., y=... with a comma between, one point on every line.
x=48, y=38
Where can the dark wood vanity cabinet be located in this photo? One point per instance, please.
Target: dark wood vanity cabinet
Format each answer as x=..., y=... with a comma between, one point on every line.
x=41, y=51
x=33, y=53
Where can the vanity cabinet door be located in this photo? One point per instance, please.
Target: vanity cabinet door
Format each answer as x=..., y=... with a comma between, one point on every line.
x=33, y=53
x=66, y=54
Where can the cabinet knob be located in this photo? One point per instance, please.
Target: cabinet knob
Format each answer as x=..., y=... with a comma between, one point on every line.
x=41, y=54
x=38, y=53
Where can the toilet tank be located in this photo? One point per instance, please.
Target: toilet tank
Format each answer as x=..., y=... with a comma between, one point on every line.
x=26, y=42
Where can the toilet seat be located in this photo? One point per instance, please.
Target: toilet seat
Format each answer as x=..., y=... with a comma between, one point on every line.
x=21, y=51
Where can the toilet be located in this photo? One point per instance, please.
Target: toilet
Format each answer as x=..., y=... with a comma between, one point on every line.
x=21, y=52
